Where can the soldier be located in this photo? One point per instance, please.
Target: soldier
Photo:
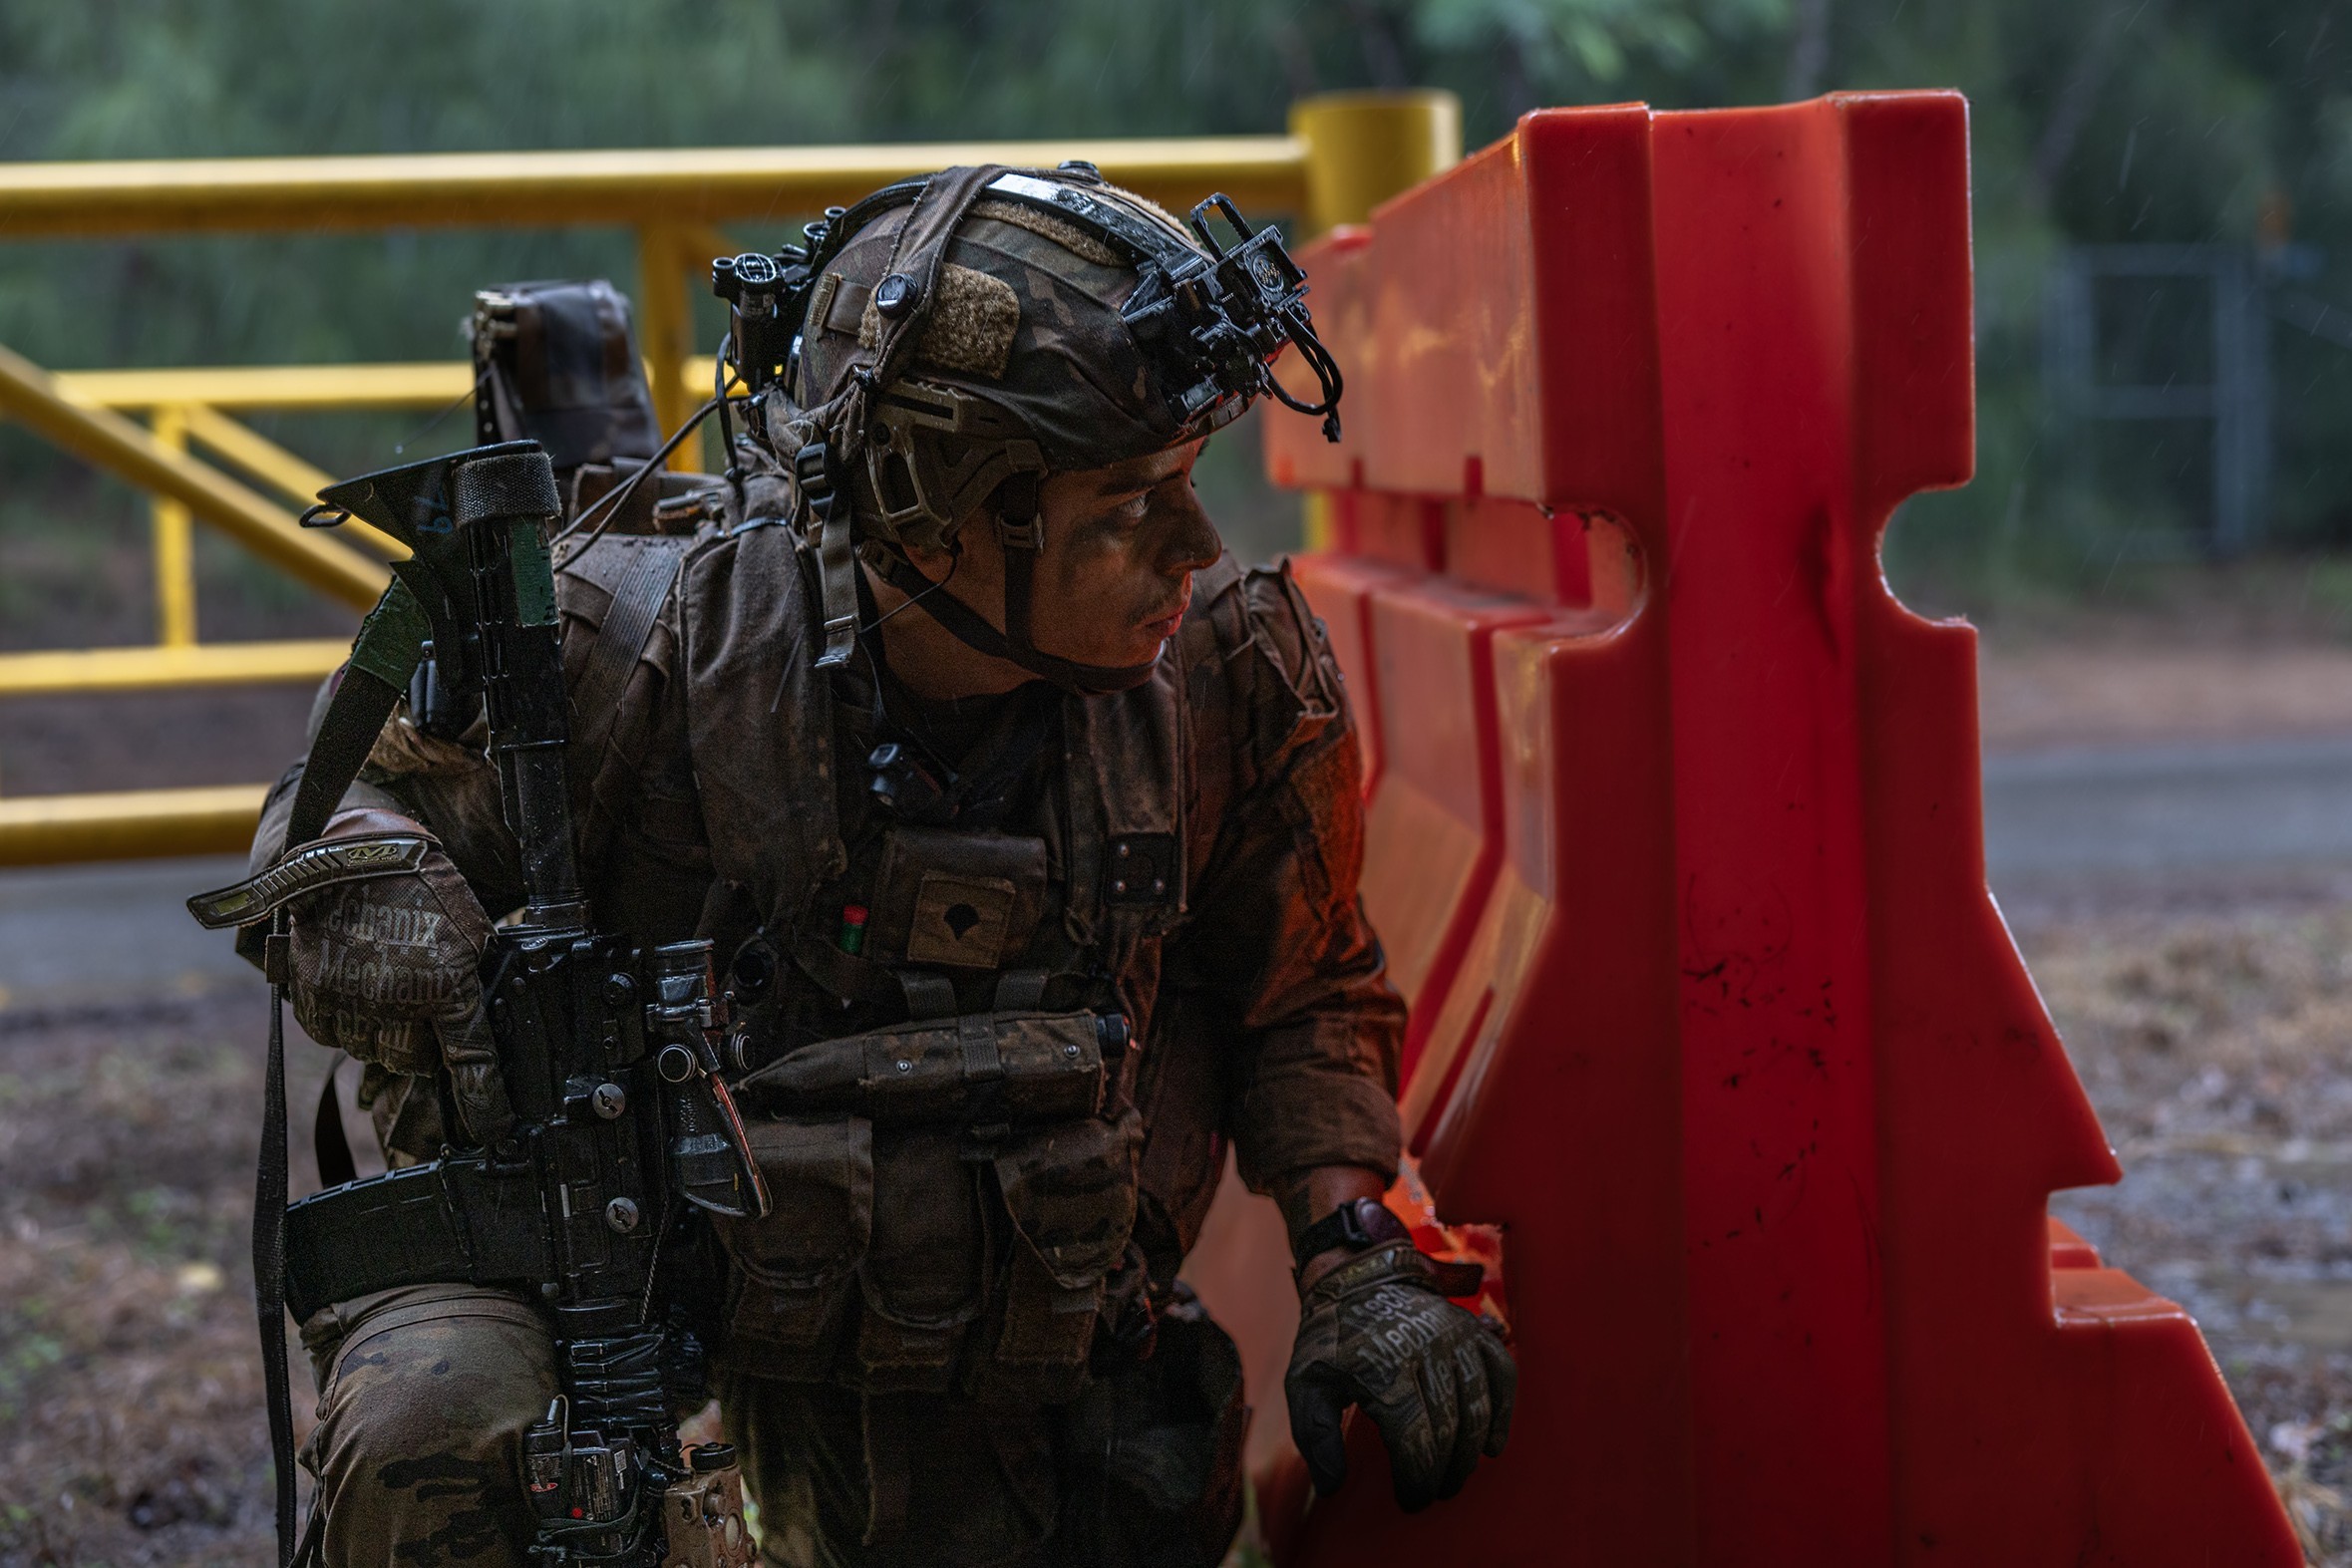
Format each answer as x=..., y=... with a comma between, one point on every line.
x=960, y=711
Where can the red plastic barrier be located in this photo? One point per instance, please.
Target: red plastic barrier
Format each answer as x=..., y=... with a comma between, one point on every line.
x=1675, y=837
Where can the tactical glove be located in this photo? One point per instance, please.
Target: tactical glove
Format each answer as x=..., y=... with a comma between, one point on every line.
x=389, y=970
x=1378, y=1331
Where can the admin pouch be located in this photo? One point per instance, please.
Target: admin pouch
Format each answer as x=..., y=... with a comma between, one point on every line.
x=949, y=1208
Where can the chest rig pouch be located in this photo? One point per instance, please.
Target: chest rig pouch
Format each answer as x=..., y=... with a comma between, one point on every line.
x=952, y=1191
x=958, y=901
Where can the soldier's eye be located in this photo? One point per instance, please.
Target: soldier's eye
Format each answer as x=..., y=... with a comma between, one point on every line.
x=1127, y=512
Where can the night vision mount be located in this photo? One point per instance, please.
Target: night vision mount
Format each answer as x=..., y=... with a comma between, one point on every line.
x=766, y=298
x=1211, y=320
x=1223, y=317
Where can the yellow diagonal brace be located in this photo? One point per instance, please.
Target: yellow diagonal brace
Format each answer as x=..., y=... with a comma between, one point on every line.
x=244, y=446
x=138, y=824
x=28, y=396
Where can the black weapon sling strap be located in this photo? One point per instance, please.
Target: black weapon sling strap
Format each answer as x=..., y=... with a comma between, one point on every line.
x=386, y=652
x=637, y=595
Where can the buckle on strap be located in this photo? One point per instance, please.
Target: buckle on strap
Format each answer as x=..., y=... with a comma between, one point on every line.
x=836, y=555
x=836, y=585
x=1019, y=524
x=813, y=474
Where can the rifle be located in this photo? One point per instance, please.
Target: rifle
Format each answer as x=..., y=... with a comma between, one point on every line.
x=608, y=1051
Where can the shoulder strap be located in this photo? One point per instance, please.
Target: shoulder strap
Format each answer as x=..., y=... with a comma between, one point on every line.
x=760, y=719
x=390, y=646
x=620, y=640
x=269, y=1250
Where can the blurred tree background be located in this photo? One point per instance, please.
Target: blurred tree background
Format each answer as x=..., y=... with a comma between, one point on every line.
x=2207, y=122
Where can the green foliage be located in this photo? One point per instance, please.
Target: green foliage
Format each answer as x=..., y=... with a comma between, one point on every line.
x=1561, y=41
x=2208, y=121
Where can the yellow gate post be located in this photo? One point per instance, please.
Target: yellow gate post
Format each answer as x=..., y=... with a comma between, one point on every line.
x=665, y=326
x=1364, y=148
x=1361, y=150
x=176, y=544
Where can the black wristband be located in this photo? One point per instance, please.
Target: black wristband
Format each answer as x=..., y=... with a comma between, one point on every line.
x=1356, y=1225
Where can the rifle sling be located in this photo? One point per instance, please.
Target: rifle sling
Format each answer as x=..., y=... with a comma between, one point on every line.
x=390, y=646
x=386, y=652
x=620, y=641
x=270, y=1247
x=355, y=716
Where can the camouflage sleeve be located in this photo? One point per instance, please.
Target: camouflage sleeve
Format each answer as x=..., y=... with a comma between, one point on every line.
x=1277, y=969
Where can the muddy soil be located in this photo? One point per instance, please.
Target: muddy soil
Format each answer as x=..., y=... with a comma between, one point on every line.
x=2212, y=1037
x=131, y=1418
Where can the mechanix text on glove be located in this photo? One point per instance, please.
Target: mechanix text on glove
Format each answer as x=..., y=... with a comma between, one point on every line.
x=388, y=970
x=1377, y=1332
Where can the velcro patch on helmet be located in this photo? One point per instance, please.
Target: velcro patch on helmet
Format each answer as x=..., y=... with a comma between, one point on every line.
x=969, y=331
x=1061, y=231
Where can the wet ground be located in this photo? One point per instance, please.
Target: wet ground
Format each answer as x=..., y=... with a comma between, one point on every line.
x=130, y=1425
x=2214, y=1042
x=2209, y=1025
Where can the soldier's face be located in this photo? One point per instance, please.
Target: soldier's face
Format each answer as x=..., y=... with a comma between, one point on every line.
x=1121, y=546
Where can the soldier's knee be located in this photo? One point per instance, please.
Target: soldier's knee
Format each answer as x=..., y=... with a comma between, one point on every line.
x=423, y=1398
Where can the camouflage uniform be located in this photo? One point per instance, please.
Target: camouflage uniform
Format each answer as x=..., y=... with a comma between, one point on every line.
x=946, y=1343
x=1255, y=989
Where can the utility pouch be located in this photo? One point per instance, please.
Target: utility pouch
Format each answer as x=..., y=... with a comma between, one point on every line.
x=1070, y=1192
x=923, y=1280
x=794, y=1270
x=974, y=1252
x=980, y=1070
x=959, y=901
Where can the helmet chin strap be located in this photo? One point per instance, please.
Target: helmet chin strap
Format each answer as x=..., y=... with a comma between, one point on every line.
x=1023, y=537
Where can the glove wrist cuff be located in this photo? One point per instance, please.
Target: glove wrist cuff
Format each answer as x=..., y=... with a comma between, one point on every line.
x=1390, y=1260
x=1395, y=1262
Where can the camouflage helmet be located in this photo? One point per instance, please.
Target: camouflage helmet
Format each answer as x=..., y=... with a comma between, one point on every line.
x=959, y=337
